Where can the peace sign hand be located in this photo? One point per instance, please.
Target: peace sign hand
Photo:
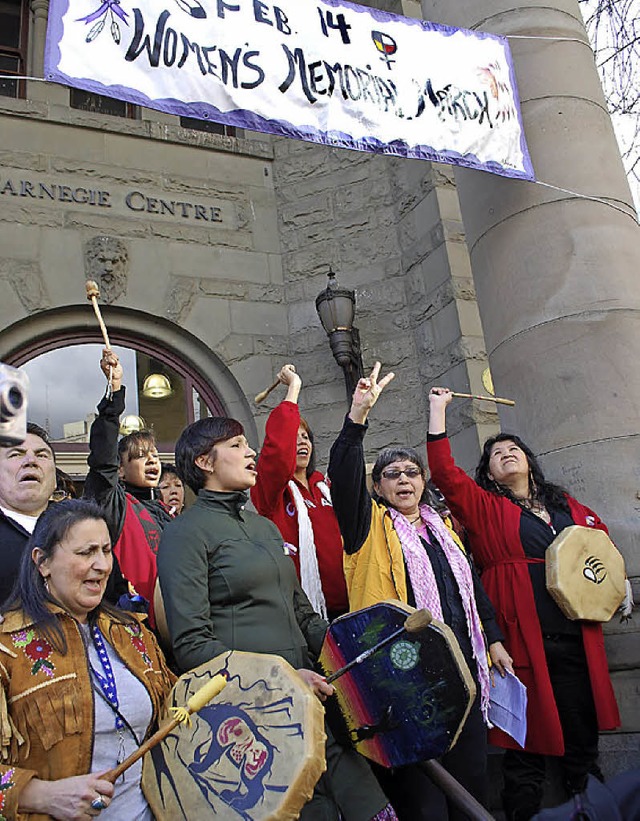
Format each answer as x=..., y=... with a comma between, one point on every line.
x=366, y=394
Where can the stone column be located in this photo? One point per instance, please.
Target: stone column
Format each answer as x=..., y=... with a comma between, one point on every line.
x=40, y=10
x=37, y=91
x=557, y=279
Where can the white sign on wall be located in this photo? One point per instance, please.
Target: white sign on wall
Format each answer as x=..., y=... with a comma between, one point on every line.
x=327, y=71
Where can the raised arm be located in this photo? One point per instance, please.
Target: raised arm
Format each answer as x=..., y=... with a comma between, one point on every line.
x=103, y=440
x=277, y=462
x=467, y=500
x=351, y=500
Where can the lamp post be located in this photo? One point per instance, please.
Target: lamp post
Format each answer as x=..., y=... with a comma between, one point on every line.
x=336, y=307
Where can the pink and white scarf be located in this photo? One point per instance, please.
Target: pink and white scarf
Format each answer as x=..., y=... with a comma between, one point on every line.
x=425, y=587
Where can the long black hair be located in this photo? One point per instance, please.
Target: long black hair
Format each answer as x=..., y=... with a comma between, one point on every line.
x=545, y=493
x=29, y=592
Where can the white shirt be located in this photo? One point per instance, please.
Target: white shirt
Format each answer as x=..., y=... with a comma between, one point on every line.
x=25, y=521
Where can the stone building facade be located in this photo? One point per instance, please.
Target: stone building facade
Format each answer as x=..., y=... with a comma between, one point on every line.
x=211, y=249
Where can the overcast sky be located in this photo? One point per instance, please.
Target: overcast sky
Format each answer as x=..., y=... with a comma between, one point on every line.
x=67, y=384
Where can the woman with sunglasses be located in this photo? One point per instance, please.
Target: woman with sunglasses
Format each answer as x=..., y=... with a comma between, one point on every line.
x=398, y=547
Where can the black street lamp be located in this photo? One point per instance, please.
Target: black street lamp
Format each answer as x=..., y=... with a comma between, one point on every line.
x=336, y=307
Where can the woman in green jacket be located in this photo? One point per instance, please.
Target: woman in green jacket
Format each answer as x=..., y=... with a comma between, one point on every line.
x=228, y=585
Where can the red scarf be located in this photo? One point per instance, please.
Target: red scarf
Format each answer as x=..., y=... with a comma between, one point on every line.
x=136, y=550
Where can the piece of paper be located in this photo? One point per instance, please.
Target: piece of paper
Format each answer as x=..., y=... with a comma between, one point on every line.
x=508, y=706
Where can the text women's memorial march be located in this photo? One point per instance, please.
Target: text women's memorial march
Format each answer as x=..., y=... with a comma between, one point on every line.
x=327, y=71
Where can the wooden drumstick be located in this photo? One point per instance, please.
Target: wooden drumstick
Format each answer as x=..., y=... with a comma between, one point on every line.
x=93, y=292
x=182, y=715
x=260, y=397
x=495, y=399
x=414, y=623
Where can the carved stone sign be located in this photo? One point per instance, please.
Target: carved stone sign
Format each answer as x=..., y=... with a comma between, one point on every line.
x=166, y=204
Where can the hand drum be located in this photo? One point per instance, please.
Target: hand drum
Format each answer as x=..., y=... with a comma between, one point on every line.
x=408, y=701
x=585, y=574
x=254, y=753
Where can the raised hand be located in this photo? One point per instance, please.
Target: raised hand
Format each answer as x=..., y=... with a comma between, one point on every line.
x=111, y=368
x=366, y=394
x=439, y=398
x=288, y=376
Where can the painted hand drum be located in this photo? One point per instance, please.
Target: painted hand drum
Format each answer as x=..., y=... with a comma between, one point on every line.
x=255, y=752
x=585, y=574
x=408, y=701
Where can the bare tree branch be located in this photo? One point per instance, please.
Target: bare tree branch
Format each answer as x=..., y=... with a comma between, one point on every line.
x=614, y=30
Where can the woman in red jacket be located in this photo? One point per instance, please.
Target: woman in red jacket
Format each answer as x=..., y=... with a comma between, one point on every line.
x=512, y=514
x=291, y=493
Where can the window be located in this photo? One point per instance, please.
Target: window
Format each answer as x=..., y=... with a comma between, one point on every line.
x=66, y=384
x=14, y=26
x=208, y=125
x=100, y=104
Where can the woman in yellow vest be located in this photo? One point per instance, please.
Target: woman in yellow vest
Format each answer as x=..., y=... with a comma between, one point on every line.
x=398, y=547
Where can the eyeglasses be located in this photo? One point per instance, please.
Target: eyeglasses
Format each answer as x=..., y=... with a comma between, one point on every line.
x=410, y=473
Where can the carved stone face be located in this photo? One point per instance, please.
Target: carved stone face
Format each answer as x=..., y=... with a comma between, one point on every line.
x=106, y=262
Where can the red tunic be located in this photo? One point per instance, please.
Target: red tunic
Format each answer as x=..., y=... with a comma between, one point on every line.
x=272, y=498
x=493, y=526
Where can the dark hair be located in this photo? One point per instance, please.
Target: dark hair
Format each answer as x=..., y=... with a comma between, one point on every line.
x=36, y=430
x=312, y=460
x=546, y=493
x=390, y=455
x=65, y=484
x=199, y=438
x=137, y=443
x=29, y=592
x=169, y=470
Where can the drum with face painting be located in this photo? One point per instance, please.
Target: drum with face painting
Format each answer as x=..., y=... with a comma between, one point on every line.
x=255, y=753
x=585, y=574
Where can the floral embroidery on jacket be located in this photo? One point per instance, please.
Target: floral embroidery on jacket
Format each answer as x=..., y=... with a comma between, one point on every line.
x=37, y=650
x=135, y=631
x=5, y=785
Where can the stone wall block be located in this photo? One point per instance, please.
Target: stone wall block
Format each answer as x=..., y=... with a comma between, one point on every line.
x=362, y=194
x=96, y=223
x=251, y=317
x=103, y=172
x=28, y=283
x=27, y=216
x=463, y=288
x=305, y=212
x=11, y=307
x=234, y=348
x=10, y=158
x=208, y=187
x=180, y=297
x=429, y=253
x=276, y=345
x=251, y=372
x=302, y=316
x=627, y=689
x=623, y=644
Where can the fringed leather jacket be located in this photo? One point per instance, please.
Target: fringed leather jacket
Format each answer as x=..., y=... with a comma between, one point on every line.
x=46, y=699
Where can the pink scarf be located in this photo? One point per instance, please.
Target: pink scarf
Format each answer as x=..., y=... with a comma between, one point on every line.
x=425, y=587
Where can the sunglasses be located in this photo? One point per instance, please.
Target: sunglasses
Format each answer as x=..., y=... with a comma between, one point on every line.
x=410, y=473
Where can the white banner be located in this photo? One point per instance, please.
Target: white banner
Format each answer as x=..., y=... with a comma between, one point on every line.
x=321, y=70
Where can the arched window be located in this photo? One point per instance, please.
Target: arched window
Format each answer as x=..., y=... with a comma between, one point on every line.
x=66, y=384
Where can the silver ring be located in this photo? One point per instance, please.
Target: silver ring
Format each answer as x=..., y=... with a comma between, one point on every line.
x=98, y=804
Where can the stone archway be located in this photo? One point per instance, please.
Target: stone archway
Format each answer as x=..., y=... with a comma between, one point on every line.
x=45, y=330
